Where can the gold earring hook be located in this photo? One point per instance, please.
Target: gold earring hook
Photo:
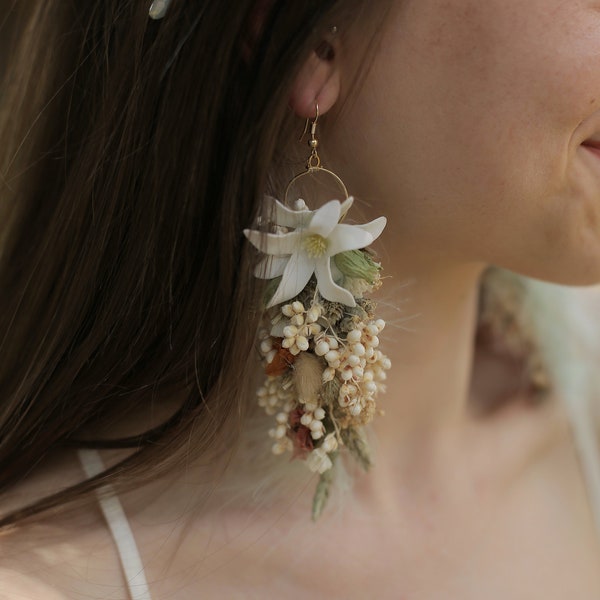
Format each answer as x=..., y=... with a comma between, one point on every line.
x=313, y=164
x=313, y=128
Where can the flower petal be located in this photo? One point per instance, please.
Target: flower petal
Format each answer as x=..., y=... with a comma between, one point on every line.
x=327, y=287
x=295, y=277
x=286, y=217
x=271, y=267
x=347, y=237
x=325, y=219
x=273, y=243
x=345, y=207
x=374, y=227
x=336, y=274
x=277, y=329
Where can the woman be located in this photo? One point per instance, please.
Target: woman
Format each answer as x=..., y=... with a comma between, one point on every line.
x=135, y=153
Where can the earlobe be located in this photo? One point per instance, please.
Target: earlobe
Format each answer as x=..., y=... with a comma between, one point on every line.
x=317, y=82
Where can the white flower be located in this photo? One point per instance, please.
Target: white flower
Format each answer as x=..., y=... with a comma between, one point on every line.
x=317, y=237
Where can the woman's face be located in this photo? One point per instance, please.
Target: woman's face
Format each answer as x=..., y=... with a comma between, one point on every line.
x=468, y=133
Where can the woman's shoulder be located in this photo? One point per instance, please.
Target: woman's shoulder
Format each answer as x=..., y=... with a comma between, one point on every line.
x=15, y=584
x=72, y=558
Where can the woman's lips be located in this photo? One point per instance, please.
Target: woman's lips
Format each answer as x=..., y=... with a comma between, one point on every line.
x=593, y=145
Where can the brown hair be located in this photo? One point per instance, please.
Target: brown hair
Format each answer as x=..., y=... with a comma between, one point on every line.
x=134, y=153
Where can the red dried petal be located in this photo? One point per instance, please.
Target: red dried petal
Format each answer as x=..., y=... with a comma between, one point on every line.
x=303, y=442
x=282, y=361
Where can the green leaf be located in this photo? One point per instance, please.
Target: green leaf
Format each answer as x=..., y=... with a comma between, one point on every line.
x=323, y=490
x=357, y=446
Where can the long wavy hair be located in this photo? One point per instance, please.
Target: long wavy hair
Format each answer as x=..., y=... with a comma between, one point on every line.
x=134, y=153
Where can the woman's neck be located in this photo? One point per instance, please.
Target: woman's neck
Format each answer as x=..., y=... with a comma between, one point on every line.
x=431, y=345
x=429, y=337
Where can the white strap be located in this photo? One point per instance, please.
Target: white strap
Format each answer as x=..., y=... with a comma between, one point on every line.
x=120, y=530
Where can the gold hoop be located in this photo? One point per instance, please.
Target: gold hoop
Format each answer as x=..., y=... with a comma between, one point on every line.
x=313, y=163
x=311, y=171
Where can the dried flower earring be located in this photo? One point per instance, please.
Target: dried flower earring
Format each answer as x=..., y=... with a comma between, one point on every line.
x=319, y=343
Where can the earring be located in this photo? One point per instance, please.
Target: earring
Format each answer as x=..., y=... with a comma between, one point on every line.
x=319, y=336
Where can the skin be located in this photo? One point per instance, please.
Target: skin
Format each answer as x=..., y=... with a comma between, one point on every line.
x=467, y=134
x=475, y=114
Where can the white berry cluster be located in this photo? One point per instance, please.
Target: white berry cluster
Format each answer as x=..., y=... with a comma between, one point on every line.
x=313, y=419
x=351, y=357
x=358, y=364
x=276, y=395
x=282, y=442
x=302, y=326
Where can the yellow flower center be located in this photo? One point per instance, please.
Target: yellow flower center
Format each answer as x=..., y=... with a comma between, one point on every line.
x=315, y=245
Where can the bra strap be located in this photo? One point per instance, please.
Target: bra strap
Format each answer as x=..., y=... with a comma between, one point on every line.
x=119, y=527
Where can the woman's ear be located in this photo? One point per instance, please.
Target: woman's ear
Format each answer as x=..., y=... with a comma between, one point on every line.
x=318, y=82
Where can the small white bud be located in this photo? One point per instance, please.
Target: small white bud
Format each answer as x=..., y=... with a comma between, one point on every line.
x=266, y=346
x=313, y=314
x=290, y=331
x=281, y=418
x=343, y=400
x=270, y=357
x=297, y=320
x=358, y=372
x=302, y=343
x=316, y=426
x=353, y=360
x=315, y=435
x=314, y=328
x=372, y=329
x=370, y=387
x=328, y=374
x=280, y=431
x=354, y=336
x=297, y=307
x=380, y=324
x=322, y=348
x=355, y=410
x=333, y=343
x=306, y=419
x=287, y=310
x=319, y=413
x=374, y=341
x=346, y=374
x=330, y=443
x=332, y=356
x=358, y=349
x=310, y=407
x=345, y=389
